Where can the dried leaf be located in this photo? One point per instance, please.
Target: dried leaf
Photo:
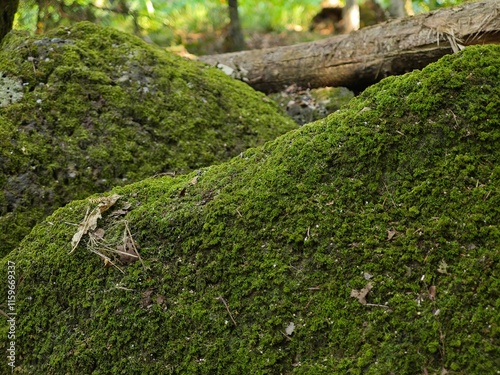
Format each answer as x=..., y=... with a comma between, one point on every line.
x=146, y=299
x=362, y=293
x=127, y=253
x=194, y=181
x=443, y=267
x=289, y=330
x=160, y=300
x=390, y=234
x=432, y=292
x=120, y=212
x=89, y=222
x=99, y=233
x=104, y=203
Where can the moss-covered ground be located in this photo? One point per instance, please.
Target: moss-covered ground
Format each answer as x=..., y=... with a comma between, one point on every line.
x=86, y=108
x=375, y=232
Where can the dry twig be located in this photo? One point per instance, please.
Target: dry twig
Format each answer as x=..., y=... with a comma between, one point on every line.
x=220, y=298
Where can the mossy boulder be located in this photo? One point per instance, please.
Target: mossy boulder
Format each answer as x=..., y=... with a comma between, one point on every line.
x=86, y=108
x=364, y=243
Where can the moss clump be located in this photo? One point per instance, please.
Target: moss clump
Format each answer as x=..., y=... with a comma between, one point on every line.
x=88, y=108
x=375, y=232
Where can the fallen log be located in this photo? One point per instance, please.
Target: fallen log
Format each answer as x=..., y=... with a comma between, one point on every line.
x=363, y=57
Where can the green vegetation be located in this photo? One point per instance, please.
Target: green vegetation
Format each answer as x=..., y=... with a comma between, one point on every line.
x=375, y=232
x=171, y=23
x=168, y=22
x=87, y=108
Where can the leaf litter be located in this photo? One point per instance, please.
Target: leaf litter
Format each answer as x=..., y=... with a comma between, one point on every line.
x=125, y=251
x=362, y=293
x=290, y=329
x=89, y=222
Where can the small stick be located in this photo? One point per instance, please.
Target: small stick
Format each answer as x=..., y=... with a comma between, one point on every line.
x=123, y=288
x=377, y=305
x=287, y=337
x=220, y=298
x=106, y=260
x=133, y=244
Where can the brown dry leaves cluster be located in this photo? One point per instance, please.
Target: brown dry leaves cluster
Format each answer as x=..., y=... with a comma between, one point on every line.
x=89, y=222
x=125, y=252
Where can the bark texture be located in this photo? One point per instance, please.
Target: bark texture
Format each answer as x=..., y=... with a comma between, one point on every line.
x=361, y=58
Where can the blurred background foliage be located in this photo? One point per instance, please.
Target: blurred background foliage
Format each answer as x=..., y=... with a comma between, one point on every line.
x=197, y=25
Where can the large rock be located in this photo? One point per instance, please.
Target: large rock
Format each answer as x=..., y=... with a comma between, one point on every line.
x=87, y=108
x=367, y=242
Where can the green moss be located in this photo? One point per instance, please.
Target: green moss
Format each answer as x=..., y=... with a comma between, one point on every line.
x=98, y=108
x=399, y=189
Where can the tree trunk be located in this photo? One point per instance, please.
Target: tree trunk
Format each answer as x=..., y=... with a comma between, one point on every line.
x=401, y=8
x=234, y=39
x=350, y=16
x=9, y=9
x=361, y=58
